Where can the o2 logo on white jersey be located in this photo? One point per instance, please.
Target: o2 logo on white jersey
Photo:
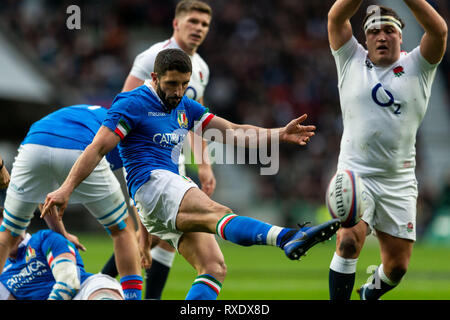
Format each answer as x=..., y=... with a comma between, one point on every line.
x=387, y=96
x=191, y=93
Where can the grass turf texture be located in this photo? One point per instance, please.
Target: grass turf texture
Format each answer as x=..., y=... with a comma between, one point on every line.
x=264, y=273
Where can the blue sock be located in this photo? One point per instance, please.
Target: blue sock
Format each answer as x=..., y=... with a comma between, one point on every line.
x=132, y=287
x=205, y=287
x=247, y=231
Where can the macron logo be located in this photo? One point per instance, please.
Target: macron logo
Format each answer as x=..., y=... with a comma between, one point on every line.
x=156, y=114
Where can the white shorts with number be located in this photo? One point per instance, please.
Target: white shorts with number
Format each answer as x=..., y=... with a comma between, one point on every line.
x=158, y=201
x=96, y=282
x=390, y=205
x=39, y=170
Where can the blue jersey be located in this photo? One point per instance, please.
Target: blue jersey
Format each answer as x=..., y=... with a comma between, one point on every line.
x=151, y=136
x=71, y=127
x=29, y=276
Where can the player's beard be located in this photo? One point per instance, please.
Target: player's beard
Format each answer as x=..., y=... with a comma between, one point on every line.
x=170, y=102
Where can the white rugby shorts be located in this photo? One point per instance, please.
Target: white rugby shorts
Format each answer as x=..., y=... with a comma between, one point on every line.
x=390, y=205
x=38, y=170
x=96, y=282
x=158, y=202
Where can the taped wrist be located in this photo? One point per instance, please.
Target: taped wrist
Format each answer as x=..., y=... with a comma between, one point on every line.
x=67, y=280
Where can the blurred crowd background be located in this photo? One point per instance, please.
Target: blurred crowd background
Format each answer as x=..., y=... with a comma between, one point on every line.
x=270, y=62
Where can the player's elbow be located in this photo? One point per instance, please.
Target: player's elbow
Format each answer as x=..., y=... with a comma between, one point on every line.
x=440, y=29
x=444, y=31
x=334, y=19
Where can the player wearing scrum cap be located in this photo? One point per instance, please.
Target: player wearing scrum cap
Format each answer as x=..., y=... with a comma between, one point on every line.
x=384, y=94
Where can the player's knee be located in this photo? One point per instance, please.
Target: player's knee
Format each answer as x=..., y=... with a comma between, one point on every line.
x=217, y=269
x=395, y=271
x=119, y=229
x=219, y=209
x=348, y=247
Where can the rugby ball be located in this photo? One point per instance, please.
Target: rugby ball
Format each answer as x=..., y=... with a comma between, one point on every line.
x=344, y=196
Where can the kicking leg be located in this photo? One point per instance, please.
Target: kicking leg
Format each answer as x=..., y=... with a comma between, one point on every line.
x=198, y=212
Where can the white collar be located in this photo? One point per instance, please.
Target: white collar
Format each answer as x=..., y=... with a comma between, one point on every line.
x=25, y=241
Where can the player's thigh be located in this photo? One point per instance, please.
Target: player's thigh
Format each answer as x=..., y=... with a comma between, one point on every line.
x=395, y=252
x=98, y=185
x=110, y=211
x=202, y=251
x=199, y=213
x=395, y=205
x=17, y=215
x=31, y=175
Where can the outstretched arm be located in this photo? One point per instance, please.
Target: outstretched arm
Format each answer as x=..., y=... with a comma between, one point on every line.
x=104, y=141
x=249, y=136
x=434, y=41
x=339, y=27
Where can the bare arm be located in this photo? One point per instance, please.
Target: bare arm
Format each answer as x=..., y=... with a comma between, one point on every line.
x=132, y=83
x=339, y=27
x=104, y=141
x=251, y=136
x=434, y=41
x=54, y=223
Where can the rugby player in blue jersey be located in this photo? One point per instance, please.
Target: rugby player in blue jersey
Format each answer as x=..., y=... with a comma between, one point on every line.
x=150, y=123
x=47, y=266
x=45, y=157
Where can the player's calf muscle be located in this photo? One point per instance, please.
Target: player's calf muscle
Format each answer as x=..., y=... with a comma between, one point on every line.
x=202, y=220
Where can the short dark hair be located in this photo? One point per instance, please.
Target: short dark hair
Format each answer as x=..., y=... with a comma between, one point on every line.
x=172, y=59
x=186, y=6
x=384, y=11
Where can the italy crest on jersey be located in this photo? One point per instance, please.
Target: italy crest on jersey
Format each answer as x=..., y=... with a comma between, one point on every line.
x=182, y=119
x=30, y=254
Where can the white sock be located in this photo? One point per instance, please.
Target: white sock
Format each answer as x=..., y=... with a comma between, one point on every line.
x=384, y=278
x=342, y=265
x=272, y=235
x=163, y=256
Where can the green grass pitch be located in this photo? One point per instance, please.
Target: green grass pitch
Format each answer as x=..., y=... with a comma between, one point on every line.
x=264, y=273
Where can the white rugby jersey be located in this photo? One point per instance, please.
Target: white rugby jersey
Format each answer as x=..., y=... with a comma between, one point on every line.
x=382, y=108
x=145, y=61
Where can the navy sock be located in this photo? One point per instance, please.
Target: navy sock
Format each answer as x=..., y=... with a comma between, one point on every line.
x=340, y=285
x=378, y=288
x=110, y=267
x=156, y=278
